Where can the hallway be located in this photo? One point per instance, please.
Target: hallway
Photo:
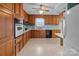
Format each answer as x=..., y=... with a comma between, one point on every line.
x=42, y=47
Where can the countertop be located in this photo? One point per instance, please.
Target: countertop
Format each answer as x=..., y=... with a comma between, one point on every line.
x=60, y=35
x=46, y=27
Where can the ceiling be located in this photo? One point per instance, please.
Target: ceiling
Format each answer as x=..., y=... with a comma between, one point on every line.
x=54, y=8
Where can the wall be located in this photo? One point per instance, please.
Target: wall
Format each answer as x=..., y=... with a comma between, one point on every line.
x=71, y=41
x=49, y=19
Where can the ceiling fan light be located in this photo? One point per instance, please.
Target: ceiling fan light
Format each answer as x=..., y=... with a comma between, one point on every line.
x=41, y=11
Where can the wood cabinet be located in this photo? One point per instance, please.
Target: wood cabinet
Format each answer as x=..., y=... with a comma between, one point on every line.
x=6, y=25
x=21, y=10
x=6, y=31
x=27, y=36
x=8, y=45
x=25, y=16
x=49, y=19
x=56, y=20
x=22, y=40
x=7, y=49
x=38, y=34
x=18, y=10
x=18, y=43
x=53, y=33
x=9, y=6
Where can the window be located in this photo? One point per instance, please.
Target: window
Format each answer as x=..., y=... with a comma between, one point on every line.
x=39, y=22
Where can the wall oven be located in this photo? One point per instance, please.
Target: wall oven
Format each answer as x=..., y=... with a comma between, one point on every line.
x=18, y=30
x=18, y=27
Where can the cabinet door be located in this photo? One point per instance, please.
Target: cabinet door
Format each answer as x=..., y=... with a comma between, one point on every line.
x=56, y=20
x=2, y=50
x=8, y=25
x=19, y=44
x=9, y=49
x=21, y=10
x=25, y=38
x=17, y=9
x=38, y=33
x=6, y=49
x=17, y=47
x=25, y=16
x=2, y=25
x=5, y=25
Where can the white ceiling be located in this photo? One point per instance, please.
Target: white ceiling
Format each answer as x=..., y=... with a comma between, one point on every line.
x=54, y=8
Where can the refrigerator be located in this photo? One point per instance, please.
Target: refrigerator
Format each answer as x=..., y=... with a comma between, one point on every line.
x=71, y=32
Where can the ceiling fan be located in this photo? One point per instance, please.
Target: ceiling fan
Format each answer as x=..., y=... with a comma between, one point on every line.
x=41, y=6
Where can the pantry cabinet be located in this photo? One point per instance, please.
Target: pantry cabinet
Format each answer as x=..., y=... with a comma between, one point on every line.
x=6, y=24
x=6, y=31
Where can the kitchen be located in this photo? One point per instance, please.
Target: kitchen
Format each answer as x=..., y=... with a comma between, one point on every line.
x=22, y=22
x=18, y=27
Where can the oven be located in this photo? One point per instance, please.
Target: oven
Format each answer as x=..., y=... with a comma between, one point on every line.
x=18, y=27
x=18, y=30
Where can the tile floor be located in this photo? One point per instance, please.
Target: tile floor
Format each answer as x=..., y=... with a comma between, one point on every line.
x=42, y=47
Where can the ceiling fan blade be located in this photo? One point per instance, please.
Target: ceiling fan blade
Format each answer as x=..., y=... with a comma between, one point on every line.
x=37, y=8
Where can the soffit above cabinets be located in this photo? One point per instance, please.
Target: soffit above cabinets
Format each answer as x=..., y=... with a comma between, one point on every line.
x=53, y=8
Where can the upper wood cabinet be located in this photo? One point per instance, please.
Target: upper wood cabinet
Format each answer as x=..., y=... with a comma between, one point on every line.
x=56, y=20
x=49, y=19
x=21, y=10
x=25, y=16
x=18, y=10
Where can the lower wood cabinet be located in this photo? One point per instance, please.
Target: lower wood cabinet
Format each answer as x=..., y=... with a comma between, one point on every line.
x=53, y=33
x=17, y=47
x=21, y=41
x=18, y=44
x=6, y=49
x=38, y=33
x=43, y=33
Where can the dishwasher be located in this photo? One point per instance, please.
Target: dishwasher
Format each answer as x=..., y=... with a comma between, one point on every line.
x=48, y=33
